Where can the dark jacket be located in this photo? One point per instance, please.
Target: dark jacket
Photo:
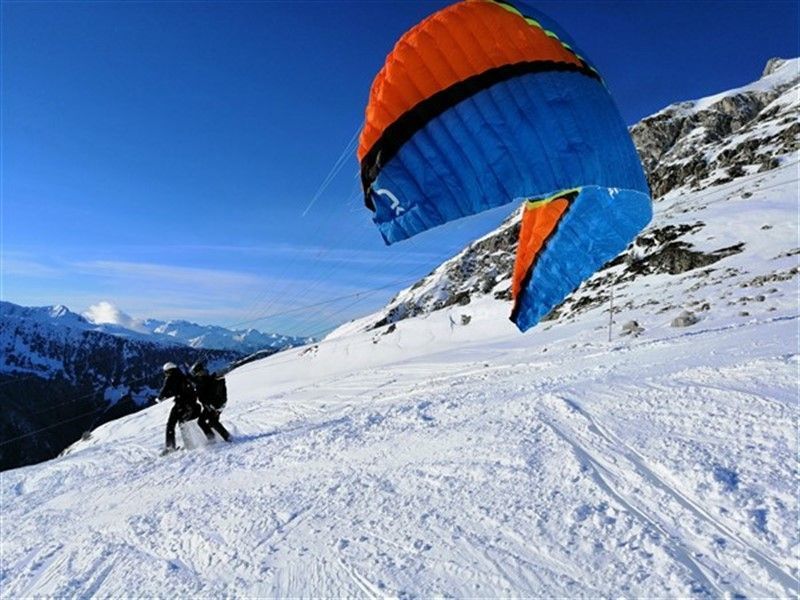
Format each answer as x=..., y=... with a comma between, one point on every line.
x=206, y=386
x=177, y=385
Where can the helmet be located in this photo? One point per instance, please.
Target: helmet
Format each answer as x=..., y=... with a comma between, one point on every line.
x=198, y=368
x=169, y=366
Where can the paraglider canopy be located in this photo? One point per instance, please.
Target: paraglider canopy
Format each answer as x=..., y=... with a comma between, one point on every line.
x=487, y=102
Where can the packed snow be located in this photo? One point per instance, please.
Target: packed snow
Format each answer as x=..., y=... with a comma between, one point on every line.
x=444, y=459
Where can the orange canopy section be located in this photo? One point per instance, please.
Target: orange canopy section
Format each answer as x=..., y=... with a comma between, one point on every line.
x=539, y=220
x=458, y=42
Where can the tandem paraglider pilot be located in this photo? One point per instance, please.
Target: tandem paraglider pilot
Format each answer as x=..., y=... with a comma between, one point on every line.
x=185, y=408
x=212, y=394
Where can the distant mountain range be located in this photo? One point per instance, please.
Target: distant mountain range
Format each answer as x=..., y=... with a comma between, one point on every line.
x=62, y=373
x=246, y=341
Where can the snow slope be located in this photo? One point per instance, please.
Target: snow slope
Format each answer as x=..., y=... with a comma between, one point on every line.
x=467, y=460
x=651, y=467
x=62, y=373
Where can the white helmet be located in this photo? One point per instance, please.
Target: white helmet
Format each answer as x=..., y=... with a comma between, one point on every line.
x=169, y=366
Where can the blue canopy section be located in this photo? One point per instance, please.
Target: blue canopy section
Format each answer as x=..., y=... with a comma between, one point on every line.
x=597, y=226
x=527, y=137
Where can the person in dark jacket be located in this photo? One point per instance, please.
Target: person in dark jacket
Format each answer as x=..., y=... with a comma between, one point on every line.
x=185, y=408
x=206, y=385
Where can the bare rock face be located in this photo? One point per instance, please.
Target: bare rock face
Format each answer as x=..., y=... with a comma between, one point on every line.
x=476, y=270
x=773, y=64
x=685, y=319
x=679, y=257
x=684, y=144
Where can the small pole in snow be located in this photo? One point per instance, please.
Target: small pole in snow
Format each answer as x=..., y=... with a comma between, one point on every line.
x=610, y=314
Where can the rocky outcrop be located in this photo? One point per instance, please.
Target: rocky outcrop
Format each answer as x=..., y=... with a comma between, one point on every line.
x=478, y=269
x=660, y=250
x=721, y=137
x=632, y=328
x=685, y=319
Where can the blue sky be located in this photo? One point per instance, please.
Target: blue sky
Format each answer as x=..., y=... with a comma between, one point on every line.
x=163, y=155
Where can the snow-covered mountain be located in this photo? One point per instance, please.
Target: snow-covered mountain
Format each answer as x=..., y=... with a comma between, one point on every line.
x=244, y=341
x=711, y=141
x=446, y=454
x=247, y=341
x=60, y=375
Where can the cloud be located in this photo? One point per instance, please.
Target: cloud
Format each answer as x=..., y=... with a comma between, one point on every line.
x=106, y=313
x=221, y=297
x=396, y=255
x=22, y=266
x=234, y=286
x=167, y=274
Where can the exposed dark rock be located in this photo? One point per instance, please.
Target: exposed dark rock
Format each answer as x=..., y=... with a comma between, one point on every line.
x=554, y=314
x=380, y=323
x=585, y=302
x=788, y=253
x=678, y=257
x=476, y=270
x=503, y=294
x=772, y=277
x=672, y=142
